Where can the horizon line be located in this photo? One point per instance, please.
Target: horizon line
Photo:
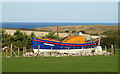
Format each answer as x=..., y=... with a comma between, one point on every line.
x=57, y=22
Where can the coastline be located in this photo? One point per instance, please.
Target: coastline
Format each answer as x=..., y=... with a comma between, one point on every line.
x=39, y=33
x=28, y=32
x=88, y=29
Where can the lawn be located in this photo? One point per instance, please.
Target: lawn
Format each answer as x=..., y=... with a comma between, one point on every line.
x=61, y=64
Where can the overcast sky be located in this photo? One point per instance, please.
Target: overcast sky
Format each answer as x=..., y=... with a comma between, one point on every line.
x=101, y=12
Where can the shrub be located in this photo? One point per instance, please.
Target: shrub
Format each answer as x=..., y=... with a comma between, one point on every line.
x=66, y=31
x=52, y=35
x=112, y=37
x=73, y=31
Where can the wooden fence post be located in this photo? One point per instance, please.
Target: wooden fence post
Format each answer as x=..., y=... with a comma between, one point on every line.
x=5, y=53
x=68, y=52
x=18, y=51
x=11, y=51
x=114, y=48
x=25, y=50
x=105, y=50
x=112, y=51
x=82, y=50
x=51, y=51
x=38, y=50
x=99, y=40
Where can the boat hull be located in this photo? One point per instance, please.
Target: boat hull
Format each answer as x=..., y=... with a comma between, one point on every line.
x=48, y=46
x=65, y=51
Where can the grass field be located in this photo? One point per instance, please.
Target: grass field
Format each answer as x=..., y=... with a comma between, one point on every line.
x=61, y=64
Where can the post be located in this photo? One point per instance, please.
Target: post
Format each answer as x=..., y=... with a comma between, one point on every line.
x=25, y=50
x=18, y=51
x=11, y=51
x=38, y=50
x=105, y=50
x=5, y=53
x=82, y=50
x=57, y=30
x=68, y=52
x=51, y=51
x=99, y=40
x=112, y=51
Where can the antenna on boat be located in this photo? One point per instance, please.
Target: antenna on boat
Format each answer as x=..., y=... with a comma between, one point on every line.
x=99, y=39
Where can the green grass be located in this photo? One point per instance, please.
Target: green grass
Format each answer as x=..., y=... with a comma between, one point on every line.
x=61, y=64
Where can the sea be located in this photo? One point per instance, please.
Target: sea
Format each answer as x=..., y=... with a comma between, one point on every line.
x=31, y=25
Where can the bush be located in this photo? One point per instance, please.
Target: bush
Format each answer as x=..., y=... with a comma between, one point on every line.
x=66, y=31
x=73, y=31
x=19, y=39
x=111, y=38
x=52, y=35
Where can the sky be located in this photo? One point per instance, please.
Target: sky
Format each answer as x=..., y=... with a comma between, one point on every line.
x=85, y=12
x=59, y=0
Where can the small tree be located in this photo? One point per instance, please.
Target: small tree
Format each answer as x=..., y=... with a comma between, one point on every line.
x=5, y=38
x=12, y=39
x=73, y=31
x=66, y=31
x=111, y=38
x=17, y=33
x=20, y=39
x=52, y=35
x=32, y=34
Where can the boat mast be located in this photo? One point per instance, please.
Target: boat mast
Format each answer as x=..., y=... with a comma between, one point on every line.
x=57, y=30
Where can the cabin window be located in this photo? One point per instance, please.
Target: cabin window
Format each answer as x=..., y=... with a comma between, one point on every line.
x=65, y=47
x=61, y=46
x=70, y=47
x=78, y=47
x=67, y=39
x=78, y=40
x=75, y=41
x=74, y=47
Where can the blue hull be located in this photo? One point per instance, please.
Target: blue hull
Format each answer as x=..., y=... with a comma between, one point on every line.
x=46, y=44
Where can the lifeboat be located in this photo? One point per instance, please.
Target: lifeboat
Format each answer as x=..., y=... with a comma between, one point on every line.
x=74, y=43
